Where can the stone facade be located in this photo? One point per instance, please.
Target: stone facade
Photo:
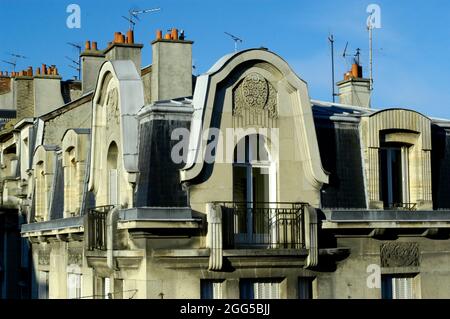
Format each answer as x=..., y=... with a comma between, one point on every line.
x=137, y=189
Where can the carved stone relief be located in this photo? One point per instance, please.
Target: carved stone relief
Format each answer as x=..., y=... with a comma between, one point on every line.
x=255, y=94
x=400, y=255
x=112, y=106
x=44, y=257
x=75, y=256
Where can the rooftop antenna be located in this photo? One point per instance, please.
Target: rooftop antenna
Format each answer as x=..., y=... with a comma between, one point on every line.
x=14, y=61
x=331, y=39
x=370, y=28
x=11, y=63
x=78, y=68
x=358, y=56
x=235, y=39
x=134, y=15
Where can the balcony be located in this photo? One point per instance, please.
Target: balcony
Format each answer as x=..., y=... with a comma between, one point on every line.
x=402, y=206
x=263, y=225
x=96, y=230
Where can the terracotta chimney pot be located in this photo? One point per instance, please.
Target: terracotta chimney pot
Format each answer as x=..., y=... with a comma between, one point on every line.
x=130, y=37
x=174, y=34
x=158, y=35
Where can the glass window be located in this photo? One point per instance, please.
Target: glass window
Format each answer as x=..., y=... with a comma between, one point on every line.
x=43, y=284
x=394, y=176
x=211, y=289
x=305, y=287
x=259, y=289
x=397, y=287
x=74, y=286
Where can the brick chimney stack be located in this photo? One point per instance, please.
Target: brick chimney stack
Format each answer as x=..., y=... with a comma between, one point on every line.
x=172, y=66
x=91, y=61
x=354, y=89
x=124, y=48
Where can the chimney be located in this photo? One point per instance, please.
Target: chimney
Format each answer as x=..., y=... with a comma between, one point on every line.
x=6, y=94
x=124, y=48
x=46, y=90
x=91, y=61
x=171, y=67
x=354, y=89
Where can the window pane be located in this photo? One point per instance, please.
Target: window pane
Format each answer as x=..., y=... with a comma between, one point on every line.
x=305, y=290
x=211, y=289
x=254, y=289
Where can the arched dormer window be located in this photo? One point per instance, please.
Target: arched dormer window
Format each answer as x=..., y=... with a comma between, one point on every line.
x=43, y=172
x=112, y=171
x=74, y=157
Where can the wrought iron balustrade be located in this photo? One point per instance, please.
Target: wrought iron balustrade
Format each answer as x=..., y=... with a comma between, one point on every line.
x=263, y=225
x=96, y=231
x=402, y=206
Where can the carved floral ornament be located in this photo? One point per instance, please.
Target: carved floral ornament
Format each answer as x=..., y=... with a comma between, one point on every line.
x=400, y=255
x=255, y=94
x=112, y=105
x=44, y=257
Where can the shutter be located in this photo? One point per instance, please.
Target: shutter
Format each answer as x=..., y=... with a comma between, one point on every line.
x=217, y=290
x=113, y=187
x=305, y=288
x=402, y=288
x=211, y=289
x=43, y=285
x=266, y=290
x=106, y=288
x=74, y=286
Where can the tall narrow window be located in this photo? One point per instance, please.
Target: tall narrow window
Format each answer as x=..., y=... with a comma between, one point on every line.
x=260, y=289
x=397, y=287
x=74, y=286
x=41, y=193
x=305, y=287
x=253, y=190
x=113, y=183
x=211, y=289
x=394, y=165
x=43, y=284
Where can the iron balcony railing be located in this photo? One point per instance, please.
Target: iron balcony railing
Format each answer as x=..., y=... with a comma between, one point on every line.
x=402, y=206
x=97, y=227
x=263, y=225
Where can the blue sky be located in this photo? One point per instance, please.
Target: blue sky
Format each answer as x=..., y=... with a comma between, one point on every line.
x=411, y=50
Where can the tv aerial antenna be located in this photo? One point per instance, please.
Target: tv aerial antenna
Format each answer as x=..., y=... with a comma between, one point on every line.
x=134, y=15
x=13, y=63
x=235, y=39
x=331, y=40
x=76, y=66
x=77, y=63
x=356, y=57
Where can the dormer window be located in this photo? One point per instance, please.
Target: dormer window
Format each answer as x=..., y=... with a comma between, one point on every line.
x=394, y=174
x=74, y=157
x=397, y=142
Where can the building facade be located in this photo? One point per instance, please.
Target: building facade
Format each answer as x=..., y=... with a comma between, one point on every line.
x=149, y=182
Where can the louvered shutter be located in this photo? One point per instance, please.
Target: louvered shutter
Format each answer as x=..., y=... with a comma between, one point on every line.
x=113, y=187
x=266, y=290
x=107, y=288
x=43, y=285
x=402, y=288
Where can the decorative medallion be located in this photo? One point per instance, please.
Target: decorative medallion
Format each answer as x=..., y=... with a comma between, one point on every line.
x=44, y=257
x=112, y=105
x=256, y=94
x=400, y=255
x=75, y=256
